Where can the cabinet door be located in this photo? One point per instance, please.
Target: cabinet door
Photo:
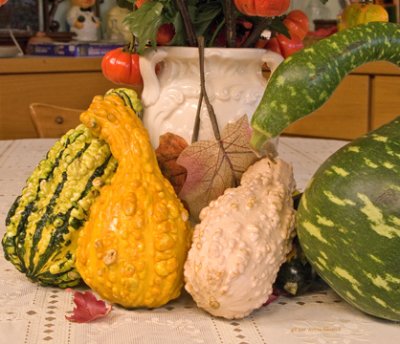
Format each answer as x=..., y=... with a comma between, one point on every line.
x=74, y=90
x=343, y=116
x=385, y=100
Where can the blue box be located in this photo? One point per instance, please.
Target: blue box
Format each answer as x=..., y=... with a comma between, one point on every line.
x=72, y=48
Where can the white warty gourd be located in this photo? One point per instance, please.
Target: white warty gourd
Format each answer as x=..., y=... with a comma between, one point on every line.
x=241, y=241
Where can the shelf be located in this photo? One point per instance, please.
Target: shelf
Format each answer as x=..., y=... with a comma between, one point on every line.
x=44, y=64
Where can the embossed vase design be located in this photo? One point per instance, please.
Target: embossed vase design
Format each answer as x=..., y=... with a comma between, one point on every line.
x=233, y=79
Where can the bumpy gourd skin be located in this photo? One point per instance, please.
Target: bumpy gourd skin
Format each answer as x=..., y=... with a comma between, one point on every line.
x=43, y=224
x=133, y=248
x=243, y=238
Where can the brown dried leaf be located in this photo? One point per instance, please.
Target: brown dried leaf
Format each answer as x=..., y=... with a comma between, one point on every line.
x=168, y=151
x=214, y=166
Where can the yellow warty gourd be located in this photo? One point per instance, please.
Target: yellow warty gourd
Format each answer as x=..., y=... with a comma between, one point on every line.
x=132, y=249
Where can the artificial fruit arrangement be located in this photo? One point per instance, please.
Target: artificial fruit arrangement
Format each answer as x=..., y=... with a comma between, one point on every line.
x=362, y=12
x=222, y=23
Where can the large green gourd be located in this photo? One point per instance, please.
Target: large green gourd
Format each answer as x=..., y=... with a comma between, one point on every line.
x=305, y=80
x=43, y=224
x=348, y=222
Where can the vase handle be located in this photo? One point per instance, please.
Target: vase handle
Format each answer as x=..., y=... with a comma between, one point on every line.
x=151, y=84
x=272, y=59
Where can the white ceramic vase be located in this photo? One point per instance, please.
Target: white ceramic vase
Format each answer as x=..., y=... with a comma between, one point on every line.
x=233, y=79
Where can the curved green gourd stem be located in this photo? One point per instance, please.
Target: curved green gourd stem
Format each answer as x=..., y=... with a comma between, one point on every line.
x=304, y=81
x=130, y=98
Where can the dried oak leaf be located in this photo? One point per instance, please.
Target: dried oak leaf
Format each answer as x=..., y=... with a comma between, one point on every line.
x=214, y=166
x=88, y=308
x=168, y=151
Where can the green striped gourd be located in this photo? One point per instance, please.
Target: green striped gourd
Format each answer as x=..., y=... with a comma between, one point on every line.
x=44, y=221
x=43, y=224
x=348, y=222
x=349, y=216
x=304, y=81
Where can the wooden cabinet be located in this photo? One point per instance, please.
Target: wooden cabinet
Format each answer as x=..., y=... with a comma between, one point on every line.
x=385, y=99
x=344, y=115
x=67, y=82
x=367, y=98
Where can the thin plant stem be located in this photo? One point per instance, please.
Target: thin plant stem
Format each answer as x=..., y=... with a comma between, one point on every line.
x=216, y=32
x=210, y=108
x=196, y=128
x=211, y=113
x=255, y=34
x=190, y=32
x=132, y=44
x=230, y=23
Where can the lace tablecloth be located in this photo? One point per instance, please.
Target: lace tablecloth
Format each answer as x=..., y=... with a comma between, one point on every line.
x=30, y=313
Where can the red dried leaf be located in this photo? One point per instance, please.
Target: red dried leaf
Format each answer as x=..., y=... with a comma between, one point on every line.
x=88, y=308
x=271, y=299
x=214, y=166
x=168, y=151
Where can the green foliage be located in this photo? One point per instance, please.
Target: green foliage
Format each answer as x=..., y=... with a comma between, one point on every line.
x=207, y=18
x=144, y=23
x=278, y=26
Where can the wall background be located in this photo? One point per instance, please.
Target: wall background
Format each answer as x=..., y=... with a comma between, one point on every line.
x=19, y=14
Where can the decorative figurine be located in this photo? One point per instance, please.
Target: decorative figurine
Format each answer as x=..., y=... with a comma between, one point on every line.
x=116, y=29
x=83, y=21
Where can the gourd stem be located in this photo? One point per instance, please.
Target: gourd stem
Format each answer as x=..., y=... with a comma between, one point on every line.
x=230, y=23
x=255, y=34
x=131, y=46
x=258, y=140
x=191, y=35
x=210, y=108
x=308, y=70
